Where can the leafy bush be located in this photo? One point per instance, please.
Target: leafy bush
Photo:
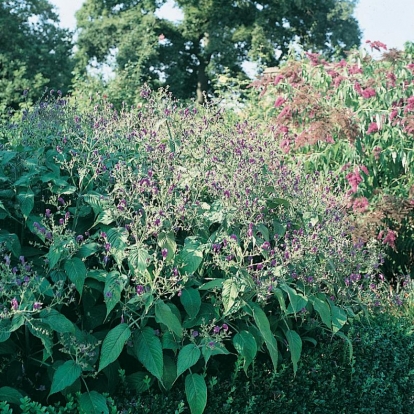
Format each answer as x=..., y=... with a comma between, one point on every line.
x=353, y=118
x=377, y=379
x=155, y=241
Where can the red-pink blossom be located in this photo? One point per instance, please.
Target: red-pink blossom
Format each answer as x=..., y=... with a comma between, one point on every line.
x=285, y=145
x=410, y=67
x=277, y=79
x=393, y=114
x=355, y=69
x=358, y=88
x=390, y=238
x=410, y=104
x=338, y=80
x=360, y=204
x=368, y=93
x=364, y=169
x=354, y=179
x=377, y=151
x=279, y=101
x=377, y=45
x=373, y=127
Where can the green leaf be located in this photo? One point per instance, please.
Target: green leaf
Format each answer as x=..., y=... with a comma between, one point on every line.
x=339, y=318
x=26, y=202
x=138, y=259
x=113, y=344
x=93, y=403
x=279, y=295
x=148, y=350
x=187, y=357
x=296, y=300
x=57, y=321
x=169, y=373
x=65, y=376
x=263, y=325
x=11, y=395
x=76, y=271
x=191, y=256
x=196, y=393
x=246, y=346
x=191, y=301
x=12, y=243
x=229, y=294
x=349, y=342
x=44, y=333
x=56, y=252
x=163, y=314
x=212, y=284
x=295, y=348
x=322, y=307
x=139, y=381
x=114, y=285
x=167, y=241
x=277, y=202
x=87, y=250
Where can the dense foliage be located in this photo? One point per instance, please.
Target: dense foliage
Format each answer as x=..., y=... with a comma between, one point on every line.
x=34, y=52
x=213, y=35
x=145, y=245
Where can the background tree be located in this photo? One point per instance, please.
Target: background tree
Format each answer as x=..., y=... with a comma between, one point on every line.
x=213, y=35
x=34, y=51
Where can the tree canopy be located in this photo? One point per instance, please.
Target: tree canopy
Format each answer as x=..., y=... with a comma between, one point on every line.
x=213, y=35
x=34, y=52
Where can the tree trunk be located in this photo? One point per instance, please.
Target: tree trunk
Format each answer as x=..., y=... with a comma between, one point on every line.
x=202, y=81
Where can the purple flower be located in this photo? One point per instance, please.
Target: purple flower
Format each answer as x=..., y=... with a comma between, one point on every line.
x=14, y=304
x=61, y=201
x=37, y=305
x=140, y=289
x=61, y=221
x=233, y=237
x=164, y=253
x=194, y=334
x=107, y=246
x=47, y=213
x=225, y=327
x=22, y=261
x=266, y=246
x=216, y=329
x=7, y=259
x=79, y=238
x=67, y=215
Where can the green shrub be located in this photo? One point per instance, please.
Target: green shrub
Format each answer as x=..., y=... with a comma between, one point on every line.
x=159, y=241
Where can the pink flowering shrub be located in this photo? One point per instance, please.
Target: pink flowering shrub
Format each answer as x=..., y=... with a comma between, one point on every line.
x=353, y=118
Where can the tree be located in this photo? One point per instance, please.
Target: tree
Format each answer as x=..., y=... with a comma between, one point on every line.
x=214, y=35
x=34, y=52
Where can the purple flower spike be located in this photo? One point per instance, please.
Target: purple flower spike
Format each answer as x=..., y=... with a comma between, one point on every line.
x=61, y=201
x=14, y=304
x=164, y=253
x=47, y=213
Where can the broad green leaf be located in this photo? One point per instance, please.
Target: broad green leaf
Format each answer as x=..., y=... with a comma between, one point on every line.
x=230, y=293
x=187, y=357
x=16, y=322
x=167, y=241
x=55, y=254
x=163, y=314
x=26, y=202
x=148, y=350
x=246, y=347
x=170, y=341
x=296, y=300
x=196, y=393
x=113, y=344
x=191, y=301
x=42, y=331
x=65, y=376
x=114, y=285
x=93, y=403
x=339, y=318
x=212, y=284
x=10, y=395
x=87, y=250
x=191, y=256
x=295, y=348
x=76, y=271
x=277, y=202
x=263, y=325
x=12, y=242
x=139, y=381
x=169, y=373
x=138, y=259
x=56, y=321
x=349, y=342
x=323, y=309
x=281, y=299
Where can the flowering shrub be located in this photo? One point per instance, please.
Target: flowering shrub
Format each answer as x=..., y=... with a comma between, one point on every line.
x=354, y=118
x=151, y=240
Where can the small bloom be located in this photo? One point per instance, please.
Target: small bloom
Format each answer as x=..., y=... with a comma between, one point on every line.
x=164, y=253
x=390, y=238
x=216, y=329
x=225, y=327
x=140, y=289
x=79, y=238
x=14, y=304
x=61, y=201
x=279, y=101
x=373, y=127
x=37, y=305
x=194, y=334
x=47, y=213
